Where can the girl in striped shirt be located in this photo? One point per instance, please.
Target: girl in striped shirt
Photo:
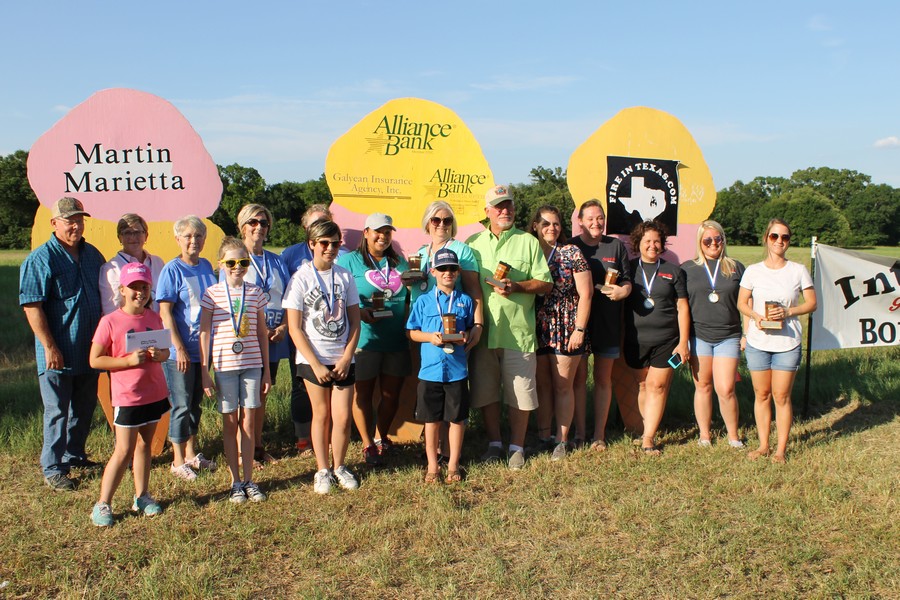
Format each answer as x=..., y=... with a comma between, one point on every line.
x=233, y=313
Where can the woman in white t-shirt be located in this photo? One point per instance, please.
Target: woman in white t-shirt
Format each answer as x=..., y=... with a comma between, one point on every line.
x=322, y=305
x=770, y=297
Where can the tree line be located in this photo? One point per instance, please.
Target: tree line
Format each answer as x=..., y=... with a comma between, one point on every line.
x=840, y=206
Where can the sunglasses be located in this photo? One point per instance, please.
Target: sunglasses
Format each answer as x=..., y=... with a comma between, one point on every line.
x=260, y=222
x=785, y=237
x=445, y=268
x=326, y=244
x=718, y=240
x=446, y=221
x=232, y=263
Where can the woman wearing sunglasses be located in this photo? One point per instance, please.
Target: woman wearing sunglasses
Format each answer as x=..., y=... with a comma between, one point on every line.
x=266, y=271
x=770, y=298
x=713, y=280
x=322, y=305
x=383, y=352
x=562, y=320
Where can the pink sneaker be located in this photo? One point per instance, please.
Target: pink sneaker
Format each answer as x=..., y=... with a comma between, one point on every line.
x=201, y=462
x=184, y=472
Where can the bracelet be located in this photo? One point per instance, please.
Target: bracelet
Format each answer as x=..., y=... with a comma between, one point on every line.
x=581, y=329
x=478, y=325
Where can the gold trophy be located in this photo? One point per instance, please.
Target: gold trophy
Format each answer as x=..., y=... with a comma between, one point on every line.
x=612, y=276
x=770, y=323
x=499, y=275
x=414, y=275
x=378, y=310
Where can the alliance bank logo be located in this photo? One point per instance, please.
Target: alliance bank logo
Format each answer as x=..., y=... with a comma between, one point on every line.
x=641, y=189
x=398, y=132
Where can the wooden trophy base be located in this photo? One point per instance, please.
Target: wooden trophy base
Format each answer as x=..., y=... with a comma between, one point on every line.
x=771, y=325
x=382, y=314
x=496, y=283
x=412, y=276
x=451, y=337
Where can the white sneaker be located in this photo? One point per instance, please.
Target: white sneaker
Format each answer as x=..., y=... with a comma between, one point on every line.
x=237, y=495
x=736, y=443
x=345, y=478
x=322, y=482
x=184, y=472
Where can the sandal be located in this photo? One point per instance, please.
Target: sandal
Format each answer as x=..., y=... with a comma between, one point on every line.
x=651, y=450
x=453, y=477
x=432, y=477
x=598, y=445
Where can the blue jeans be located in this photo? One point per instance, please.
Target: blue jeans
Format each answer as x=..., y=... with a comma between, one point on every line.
x=185, y=395
x=69, y=403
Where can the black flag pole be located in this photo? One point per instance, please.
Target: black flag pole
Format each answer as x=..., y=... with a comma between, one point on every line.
x=809, y=326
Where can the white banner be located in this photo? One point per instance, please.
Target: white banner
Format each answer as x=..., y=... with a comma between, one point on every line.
x=859, y=300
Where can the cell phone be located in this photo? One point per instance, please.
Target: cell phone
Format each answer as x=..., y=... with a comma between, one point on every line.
x=675, y=361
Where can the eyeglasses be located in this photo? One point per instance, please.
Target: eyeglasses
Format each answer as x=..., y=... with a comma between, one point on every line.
x=785, y=237
x=444, y=268
x=193, y=236
x=260, y=222
x=132, y=233
x=446, y=221
x=709, y=241
x=326, y=244
x=232, y=263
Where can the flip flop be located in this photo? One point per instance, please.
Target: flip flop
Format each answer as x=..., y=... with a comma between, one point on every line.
x=651, y=450
x=432, y=477
x=598, y=445
x=453, y=477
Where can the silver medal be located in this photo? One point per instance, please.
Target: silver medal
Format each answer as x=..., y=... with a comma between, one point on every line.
x=267, y=296
x=448, y=348
x=423, y=286
x=648, y=303
x=713, y=297
x=388, y=294
x=332, y=326
x=237, y=347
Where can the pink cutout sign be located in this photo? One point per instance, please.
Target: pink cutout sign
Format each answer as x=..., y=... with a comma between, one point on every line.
x=123, y=151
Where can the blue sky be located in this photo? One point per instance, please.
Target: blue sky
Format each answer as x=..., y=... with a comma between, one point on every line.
x=765, y=87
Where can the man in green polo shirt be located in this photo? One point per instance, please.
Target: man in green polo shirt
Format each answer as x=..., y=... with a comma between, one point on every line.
x=506, y=354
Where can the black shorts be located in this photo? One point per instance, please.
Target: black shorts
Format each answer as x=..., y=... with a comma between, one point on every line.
x=138, y=416
x=438, y=401
x=638, y=356
x=306, y=372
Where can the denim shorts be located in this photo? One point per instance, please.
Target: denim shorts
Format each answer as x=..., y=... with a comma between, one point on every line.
x=238, y=389
x=730, y=348
x=761, y=360
x=606, y=352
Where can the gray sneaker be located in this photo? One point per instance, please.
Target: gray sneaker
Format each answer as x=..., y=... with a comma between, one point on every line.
x=493, y=454
x=517, y=460
x=345, y=478
x=559, y=453
x=60, y=483
x=237, y=494
x=253, y=493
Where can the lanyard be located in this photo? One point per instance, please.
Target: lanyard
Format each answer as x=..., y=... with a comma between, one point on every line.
x=386, y=275
x=437, y=300
x=649, y=285
x=236, y=319
x=263, y=275
x=552, y=252
x=712, y=276
x=329, y=301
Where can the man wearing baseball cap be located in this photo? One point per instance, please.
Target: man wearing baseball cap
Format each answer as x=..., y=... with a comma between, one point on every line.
x=59, y=289
x=505, y=357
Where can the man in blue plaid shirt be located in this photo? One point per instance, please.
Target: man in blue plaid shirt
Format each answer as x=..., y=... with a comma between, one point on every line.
x=59, y=289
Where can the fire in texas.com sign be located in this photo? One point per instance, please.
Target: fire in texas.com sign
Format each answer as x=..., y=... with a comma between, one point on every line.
x=641, y=189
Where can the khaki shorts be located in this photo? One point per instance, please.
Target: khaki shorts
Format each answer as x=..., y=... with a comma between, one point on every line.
x=514, y=371
x=370, y=365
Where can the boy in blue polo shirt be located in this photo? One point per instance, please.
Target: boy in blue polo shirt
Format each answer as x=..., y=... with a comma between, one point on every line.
x=443, y=393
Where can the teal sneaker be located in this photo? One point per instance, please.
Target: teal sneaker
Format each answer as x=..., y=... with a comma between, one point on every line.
x=146, y=504
x=102, y=516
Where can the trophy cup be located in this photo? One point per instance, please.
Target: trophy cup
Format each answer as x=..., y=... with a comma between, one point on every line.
x=770, y=323
x=449, y=334
x=500, y=274
x=414, y=274
x=612, y=276
x=378, y=310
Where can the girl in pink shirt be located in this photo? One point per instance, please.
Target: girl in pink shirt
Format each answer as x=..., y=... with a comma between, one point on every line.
x=139, y=392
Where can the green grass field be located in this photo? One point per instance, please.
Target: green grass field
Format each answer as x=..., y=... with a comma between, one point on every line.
x=695, y=523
